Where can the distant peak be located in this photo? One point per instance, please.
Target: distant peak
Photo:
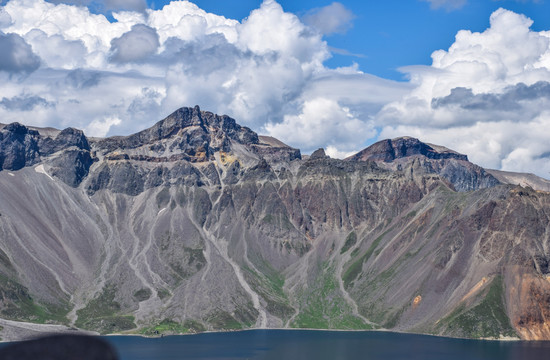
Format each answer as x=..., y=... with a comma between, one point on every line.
x=319, y=154
x=389, y=150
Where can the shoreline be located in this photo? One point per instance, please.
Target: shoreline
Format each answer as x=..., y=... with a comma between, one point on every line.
x=502, y=339
x=21, y=331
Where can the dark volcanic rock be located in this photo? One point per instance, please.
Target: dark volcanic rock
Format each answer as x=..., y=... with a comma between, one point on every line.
x=389, y=150
x=66, y=138
x=452, y=166
x=200, y=132
x=71, y=166
x=122, y=177
x=467, y=176
x=18, y=147
x=275, y=151
x=318, y=154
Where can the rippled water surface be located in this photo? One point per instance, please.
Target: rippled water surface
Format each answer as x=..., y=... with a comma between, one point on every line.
x=304, y=344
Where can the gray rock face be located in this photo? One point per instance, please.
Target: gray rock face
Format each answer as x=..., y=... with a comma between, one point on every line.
x=200, y=224
x=18, y=147
x=454, y=167
x=198, y=134
x=67, y=138
x=71, y=166
x=21, y=147
x=390, y=150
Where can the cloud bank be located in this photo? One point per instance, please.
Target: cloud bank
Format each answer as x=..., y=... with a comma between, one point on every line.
x=119, y=77
x=487, y=95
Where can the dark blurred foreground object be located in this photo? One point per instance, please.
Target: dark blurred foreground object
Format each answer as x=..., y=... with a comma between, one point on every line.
x=60, y=347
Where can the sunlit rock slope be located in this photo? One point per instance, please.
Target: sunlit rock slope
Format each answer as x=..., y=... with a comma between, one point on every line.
x=200, y=224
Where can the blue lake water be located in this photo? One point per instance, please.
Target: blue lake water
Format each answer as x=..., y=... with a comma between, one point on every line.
x=304, y=344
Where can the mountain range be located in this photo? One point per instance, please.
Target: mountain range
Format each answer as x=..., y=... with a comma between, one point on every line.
x=199, y=224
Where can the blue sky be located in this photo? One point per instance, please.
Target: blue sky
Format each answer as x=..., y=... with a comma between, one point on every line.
x=470, y=75
x=390, y=34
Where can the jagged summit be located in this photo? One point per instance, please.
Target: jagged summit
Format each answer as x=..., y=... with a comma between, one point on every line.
x=191, y=130
x=390, y=150
x=396, y=154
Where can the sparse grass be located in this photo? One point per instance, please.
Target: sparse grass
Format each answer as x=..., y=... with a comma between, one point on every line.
x=394, y=318
x=351, y=240
x=142, y=294
x=378, y=310
x=486, y=319
x=183, y=261
x=102, y=314
x=222, y=320
x=355, y=268
x=163, y=293
x=280, y=221
x=325, y=307
x=168, y=326
x=103, y=305
x=110, y=324
x=246, y=315
x=17, y=304
x=269, y=286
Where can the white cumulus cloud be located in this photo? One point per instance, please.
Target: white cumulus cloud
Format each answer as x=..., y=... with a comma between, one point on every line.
x=323, y=121
x=17, y=55
x=484, y=96
x=487, y=95
x=333, y=18
x=135, y=45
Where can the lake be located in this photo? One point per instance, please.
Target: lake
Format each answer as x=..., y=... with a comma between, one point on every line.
x=306, y=344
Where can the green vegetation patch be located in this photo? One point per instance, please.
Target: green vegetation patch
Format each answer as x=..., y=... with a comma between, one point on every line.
x=163, y=293
x=355, y=268
x=487, y=319
x=222, y=320
x=325, y=307
x=17, y=304
x=278, y=221
x=374, y=306
x=142, y=294
x=246, y=315
x=194, y=326
x=351, y=240
x=109, y=325
x=269, y=286
x=171, y=327
x=102, y=314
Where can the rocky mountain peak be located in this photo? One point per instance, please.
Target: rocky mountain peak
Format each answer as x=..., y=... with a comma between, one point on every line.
x=18, y=146
x=422, y=158
x=18, y=129
x=390, y=150
x=318, y=154
x=188, y=130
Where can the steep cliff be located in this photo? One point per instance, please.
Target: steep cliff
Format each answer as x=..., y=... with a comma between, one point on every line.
x=200, y=224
